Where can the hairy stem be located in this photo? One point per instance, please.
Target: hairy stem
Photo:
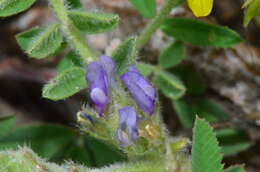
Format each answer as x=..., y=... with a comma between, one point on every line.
x=73, y=34
x=156, y=23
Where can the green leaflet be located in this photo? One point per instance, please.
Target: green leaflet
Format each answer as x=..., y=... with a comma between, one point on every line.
x=172, y=55
x=11, y=7
x=91, y=23
x=206, y=153
x=170, y=85
x=233, y=140
x=46, y=140
x=41, y=42
x=125, y=55
x=6, y=125
x=65, y=84
x=58, y=143
x=235, y=168
x=147, y=8
x=146, y=69
x=253, y=9
x=184, y=113
x=72, y=59
x=200, y=33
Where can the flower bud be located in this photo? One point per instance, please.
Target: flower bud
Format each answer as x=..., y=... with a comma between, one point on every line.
x=127, y=131
x=141, y=89
x=100, y=75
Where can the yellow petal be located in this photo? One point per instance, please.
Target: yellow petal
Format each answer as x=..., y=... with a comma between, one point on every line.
x=201, y=8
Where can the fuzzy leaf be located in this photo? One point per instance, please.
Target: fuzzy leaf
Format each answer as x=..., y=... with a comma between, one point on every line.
x=201, y=8
x=65, y=84
x=11, y=7
x=70, y=60
x=252, y=10
x=172, y=55
x=206, y=153
x=41, y=42
x=145, y=69
x=46, y=140
x=235, y=168
x=184, y=113
x=200, y=33
x=233, y=141
x=25, y=160
x=57, y=143
x=170, y=85
x=147, y=8
x=125, y=55
x=6, y=125
x=92, y=23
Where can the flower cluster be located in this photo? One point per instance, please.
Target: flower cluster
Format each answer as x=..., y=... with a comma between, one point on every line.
x=101, y=77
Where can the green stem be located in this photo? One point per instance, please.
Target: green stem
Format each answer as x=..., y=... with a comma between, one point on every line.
x=73, y=34
x=156, y=23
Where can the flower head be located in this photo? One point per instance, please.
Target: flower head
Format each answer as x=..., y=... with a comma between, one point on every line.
x=141, y=89
x=127, y=131
x=99, y=76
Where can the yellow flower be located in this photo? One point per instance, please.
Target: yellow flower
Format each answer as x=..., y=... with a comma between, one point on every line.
x=201, y=8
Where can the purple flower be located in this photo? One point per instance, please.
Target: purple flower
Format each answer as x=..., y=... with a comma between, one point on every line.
x=110, y=67
x=141, y=89
x=100, y=74
x=127, y=131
